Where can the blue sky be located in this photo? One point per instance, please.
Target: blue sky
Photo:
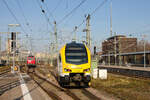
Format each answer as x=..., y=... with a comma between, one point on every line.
x=128, y=17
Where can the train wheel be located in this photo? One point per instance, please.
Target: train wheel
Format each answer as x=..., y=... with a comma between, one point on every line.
x=61, y=84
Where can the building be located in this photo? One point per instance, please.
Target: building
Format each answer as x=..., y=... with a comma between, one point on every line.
x=114, y=46
x=119, y=44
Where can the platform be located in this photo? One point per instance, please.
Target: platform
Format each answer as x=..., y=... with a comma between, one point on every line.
x=128, y=70
x=127, y=67
x=20, y=87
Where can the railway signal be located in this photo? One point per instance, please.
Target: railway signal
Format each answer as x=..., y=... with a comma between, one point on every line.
x=13, y=37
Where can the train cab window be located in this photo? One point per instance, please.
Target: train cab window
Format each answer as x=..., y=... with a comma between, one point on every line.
x=76, y=54
x=30, y=58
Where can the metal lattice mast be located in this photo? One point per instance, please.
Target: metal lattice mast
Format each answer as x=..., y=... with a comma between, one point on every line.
x=55, y=33
x=88, y=42
x=111, y=18
x=75, y=34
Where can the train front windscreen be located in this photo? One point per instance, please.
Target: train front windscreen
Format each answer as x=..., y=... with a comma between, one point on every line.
x=30, y=58
x=76, y=54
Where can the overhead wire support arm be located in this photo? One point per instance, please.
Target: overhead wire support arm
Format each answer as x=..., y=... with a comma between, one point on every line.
x=55, y=33
x=111, y=18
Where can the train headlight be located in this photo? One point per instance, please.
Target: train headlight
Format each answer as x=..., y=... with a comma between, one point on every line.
x=86, y=70
x=67, y=70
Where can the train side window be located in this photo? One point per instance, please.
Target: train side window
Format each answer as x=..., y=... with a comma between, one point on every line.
x=59, y=58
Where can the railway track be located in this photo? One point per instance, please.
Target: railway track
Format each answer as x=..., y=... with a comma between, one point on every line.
x=50, y=93
x=50, y=88
x=8, y=86
x=4, y=71
x=77, y=93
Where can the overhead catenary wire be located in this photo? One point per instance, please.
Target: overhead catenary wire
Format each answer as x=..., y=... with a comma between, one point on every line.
x=13, y=15
x=73, y=10
x=57, y=5
x=46, y=17
x=97, y=8
x=21, y=26
x=26, y=21
x=50, y=13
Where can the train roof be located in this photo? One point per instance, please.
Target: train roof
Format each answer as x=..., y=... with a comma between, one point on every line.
x=30, y=56
x=74, y=44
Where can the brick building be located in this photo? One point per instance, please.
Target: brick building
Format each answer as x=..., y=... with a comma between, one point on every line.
x=114, y=46
x=119, y=44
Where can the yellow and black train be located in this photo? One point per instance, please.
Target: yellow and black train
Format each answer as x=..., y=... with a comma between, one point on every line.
x=74, y=64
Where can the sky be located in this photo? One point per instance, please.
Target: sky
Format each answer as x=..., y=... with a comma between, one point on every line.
x=128, y=17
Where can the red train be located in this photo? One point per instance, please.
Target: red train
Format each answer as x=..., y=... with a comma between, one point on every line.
x=31, y=61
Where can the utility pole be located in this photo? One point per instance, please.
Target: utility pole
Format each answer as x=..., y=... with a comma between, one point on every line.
x=119, y=51
x=115, y=48
x=109, y=58
x=8, y=48
x=144, y=55
x=0, y=43
x=144, y=51
x=52, y=49
x=88, y=31
x=75, y=34
x=55, y=33
x=111, y=18
x=31, y=45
